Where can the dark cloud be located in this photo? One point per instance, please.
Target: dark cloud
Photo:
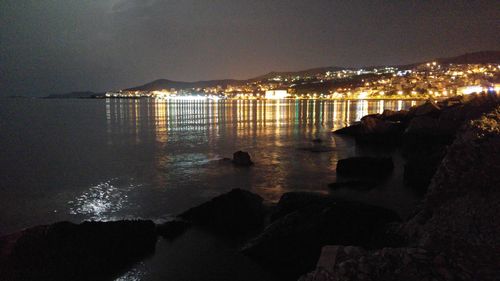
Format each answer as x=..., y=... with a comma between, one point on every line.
x=65, y=45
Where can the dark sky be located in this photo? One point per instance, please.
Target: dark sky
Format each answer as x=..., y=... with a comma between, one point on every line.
x=55, y=46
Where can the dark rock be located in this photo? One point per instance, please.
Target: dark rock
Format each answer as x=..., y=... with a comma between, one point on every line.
x=428, y=109
x=355, y=185
x=351, y=130
x=172, y=229
x=371, y=116
x=242, y=158
x=237, y=211
x=317, y=140
x=293, y=201
x=459, y=216
x=420, y=168
x=370, y=167
x=67, y=251
x=292, y=243
x=396, y=116
x=373, y=129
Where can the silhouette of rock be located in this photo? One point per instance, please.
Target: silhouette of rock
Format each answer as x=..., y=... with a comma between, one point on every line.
x=362, y=167
x=172, y=229
x=291, y=244
x=242, y=158
x=67, y=251
x=237, y=211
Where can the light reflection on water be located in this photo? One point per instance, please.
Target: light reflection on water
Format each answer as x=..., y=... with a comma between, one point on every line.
x=101, y=201
x=190, y=136
x=83, y=154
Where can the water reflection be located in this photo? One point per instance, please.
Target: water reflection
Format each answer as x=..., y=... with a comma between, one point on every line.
x=101, y=201
x=184, y=136
x=248, y=117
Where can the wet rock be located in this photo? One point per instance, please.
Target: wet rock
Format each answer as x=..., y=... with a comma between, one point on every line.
x=351, y=130
x=292, y=242
x=379, y=131
x=242, y=158
x=362, y=167
x=172, y=229
x=296, y=201
x=237, y=211
x=67, y=251
x=354, y=185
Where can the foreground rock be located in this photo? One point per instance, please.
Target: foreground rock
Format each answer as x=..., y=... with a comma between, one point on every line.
x=67, y=251
x=237, y=211
x=456, y=233
x=242, y=158
x=172, y=229
x=460, y=212
x=305, y=222
x=371, y=167
x=344, y=263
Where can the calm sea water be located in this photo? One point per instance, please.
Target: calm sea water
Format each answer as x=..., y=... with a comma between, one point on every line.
x=113, y=159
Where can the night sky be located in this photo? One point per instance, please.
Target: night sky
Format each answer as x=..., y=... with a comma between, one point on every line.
x=49, y=46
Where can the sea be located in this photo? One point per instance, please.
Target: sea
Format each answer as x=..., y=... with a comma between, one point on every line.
x=111, y=159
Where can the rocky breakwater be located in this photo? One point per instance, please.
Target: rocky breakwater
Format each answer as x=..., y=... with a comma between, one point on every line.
x=421, y=133
x=454, y=235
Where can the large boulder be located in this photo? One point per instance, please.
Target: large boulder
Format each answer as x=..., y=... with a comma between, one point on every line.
x=365, y=167
x=237, y=211
x=242, y=158
x=67, y=251
x=292, y=242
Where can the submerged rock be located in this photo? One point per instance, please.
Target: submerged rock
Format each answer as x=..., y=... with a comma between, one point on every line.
x=237, y=211
x=371, y=167
x=67, y=251
x=242, y=158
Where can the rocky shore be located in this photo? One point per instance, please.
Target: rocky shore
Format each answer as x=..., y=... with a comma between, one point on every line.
x=452, y=152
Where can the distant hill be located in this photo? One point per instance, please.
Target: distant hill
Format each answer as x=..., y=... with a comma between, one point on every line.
x=74, y=95
x=167, y=84
x=475, y=57
x=307, y=72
